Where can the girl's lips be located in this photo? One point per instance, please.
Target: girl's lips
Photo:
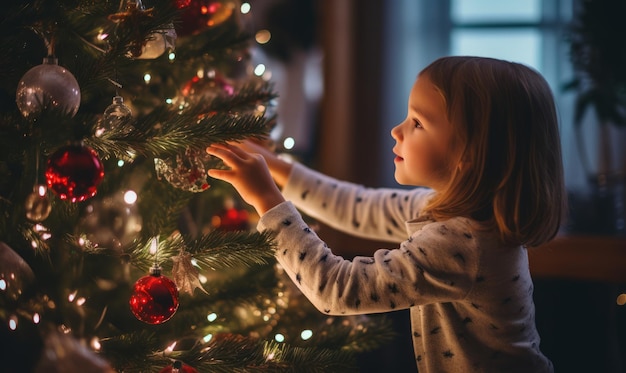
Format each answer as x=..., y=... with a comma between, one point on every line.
x=398, y=159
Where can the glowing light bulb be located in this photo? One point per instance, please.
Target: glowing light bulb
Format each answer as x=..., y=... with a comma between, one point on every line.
x=259, y=69
x=170, y=348
x=289, y=143
x=130, y=197
x=95, y=343
x=154, y=245
x=13, y=322
x=263, y=36
x=306, y=334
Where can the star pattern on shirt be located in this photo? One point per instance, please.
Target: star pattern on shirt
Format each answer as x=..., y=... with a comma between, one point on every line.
x=467, y=325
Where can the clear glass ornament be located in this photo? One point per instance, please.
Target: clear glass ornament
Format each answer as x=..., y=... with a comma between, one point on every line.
x=158, y=43
x=63, y=352
x=185, y=171
x=47, y=86
x=112, y=223
x=117, y=115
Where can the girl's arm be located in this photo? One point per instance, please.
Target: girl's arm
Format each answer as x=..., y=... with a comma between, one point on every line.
x=364, y=212
x=372, y=213
x=391, y=279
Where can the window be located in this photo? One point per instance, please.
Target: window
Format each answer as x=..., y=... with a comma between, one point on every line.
x=520, y=31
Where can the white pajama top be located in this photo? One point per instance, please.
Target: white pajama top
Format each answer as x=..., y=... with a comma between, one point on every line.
x=470, y=299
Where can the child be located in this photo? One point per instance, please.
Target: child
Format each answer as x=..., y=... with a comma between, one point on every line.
x=481, y=144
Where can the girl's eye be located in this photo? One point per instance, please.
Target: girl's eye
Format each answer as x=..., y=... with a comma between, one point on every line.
x=417, y=123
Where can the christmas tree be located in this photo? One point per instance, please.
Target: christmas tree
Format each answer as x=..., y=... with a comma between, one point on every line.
x=117, y=252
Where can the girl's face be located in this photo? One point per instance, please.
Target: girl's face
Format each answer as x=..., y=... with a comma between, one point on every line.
x=424, y=139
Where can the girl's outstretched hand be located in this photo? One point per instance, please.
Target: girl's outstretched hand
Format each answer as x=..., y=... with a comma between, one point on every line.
x=279, y=168
x=249, y=174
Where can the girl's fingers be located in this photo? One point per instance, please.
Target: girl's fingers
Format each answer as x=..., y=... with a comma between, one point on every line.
x=237, y=150
x=219, y=174
x=226, y=155
x=222, y=149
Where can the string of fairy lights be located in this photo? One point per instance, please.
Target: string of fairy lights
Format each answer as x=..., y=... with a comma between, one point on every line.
x=16, y=274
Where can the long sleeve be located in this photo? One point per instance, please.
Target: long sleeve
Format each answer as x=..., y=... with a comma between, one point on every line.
x=369, y=213
x=437, y=263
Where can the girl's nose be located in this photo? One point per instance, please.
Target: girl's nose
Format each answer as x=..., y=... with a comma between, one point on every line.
x=395, y=132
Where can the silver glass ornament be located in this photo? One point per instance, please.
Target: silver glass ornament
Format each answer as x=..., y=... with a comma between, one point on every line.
x=47, y=86
x=15, y=273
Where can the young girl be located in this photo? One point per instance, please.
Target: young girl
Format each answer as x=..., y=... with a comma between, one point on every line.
x=481, y=144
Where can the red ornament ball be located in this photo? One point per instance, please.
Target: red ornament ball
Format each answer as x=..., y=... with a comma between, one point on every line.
x=198, y=15
x=180, y=4
x=208, y=87
x=154, y=299
x=232, y=220
x=178, y=367
x=74, y=171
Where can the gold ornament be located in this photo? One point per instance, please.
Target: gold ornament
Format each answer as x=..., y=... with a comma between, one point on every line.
x=37, y=204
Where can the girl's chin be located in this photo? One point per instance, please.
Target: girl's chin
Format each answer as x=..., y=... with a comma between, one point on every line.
x=399, y=179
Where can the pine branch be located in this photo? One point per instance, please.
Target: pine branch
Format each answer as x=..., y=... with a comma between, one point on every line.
x=219, y=250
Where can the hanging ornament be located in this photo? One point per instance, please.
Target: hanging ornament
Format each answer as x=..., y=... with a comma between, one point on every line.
x=74, y=171
x=37, y=205
x=15, y=273
x=231, y=219
x=131, y=21
x=207, y=85
x=185, y=274
x=64, y=353
x=198, y=15
x=178, y=367
x=184, y=171
x=111, y=223
x=155, y=298
x=157, y=43
x=48, y=86
x=204, y=87
x=116, y=116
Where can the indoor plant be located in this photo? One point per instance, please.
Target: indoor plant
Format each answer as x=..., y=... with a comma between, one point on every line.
x=597, y=42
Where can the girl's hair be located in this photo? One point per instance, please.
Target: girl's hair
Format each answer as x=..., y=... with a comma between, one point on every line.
x=507, y=167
